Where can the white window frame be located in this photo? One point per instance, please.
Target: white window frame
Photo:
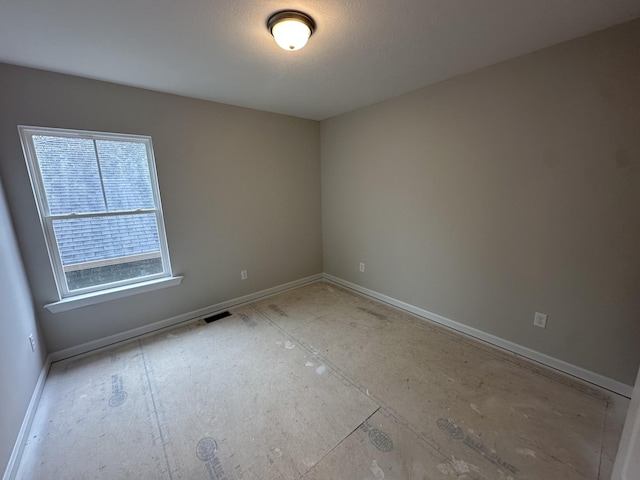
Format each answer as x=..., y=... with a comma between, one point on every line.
x=46, y=218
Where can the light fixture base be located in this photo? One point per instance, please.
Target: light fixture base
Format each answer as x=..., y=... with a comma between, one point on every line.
x=291, y=15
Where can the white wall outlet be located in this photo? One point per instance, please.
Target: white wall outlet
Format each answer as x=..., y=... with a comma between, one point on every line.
x=540, y=320
x=32, y=341
x=244, y=275
x=362, y=266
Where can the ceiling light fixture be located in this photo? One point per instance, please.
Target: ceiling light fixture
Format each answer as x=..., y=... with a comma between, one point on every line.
x=291, y=29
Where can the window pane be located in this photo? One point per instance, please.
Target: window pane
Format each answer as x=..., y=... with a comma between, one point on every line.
x=101, y=250
x=70, y=174
x=98, y=176
x=125, y=174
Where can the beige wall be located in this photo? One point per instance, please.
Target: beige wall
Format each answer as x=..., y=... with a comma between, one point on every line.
x=240, y=190
x=484, y=198
x=20, y=367
x=510, y=190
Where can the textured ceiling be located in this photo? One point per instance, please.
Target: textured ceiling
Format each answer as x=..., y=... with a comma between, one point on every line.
x=363, y=50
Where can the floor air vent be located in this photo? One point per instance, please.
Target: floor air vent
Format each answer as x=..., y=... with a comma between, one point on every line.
x=217, y=316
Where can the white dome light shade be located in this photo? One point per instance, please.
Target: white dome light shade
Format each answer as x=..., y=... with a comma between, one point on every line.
x=291, y=30
x=291, y=34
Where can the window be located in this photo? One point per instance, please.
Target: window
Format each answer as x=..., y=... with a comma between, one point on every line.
x=99, y=203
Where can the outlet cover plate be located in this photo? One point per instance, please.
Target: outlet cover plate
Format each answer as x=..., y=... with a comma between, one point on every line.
x=540, y=320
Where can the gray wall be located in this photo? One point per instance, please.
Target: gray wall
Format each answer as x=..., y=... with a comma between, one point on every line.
x=240, y=190
x=19, y=366
x=510, y=190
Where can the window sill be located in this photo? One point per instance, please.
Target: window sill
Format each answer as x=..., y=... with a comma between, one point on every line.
x=94, y=298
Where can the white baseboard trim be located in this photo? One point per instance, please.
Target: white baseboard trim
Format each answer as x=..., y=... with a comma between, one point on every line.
x=18, y=448
x=565, y=367
x=170, y=322
x=557, y=364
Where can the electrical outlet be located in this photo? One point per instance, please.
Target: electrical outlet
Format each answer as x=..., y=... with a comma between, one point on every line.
x=362, y=266
x=32, y=341
x=243, y=275
x=540, y=320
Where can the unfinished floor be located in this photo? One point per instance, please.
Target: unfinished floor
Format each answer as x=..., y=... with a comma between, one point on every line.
x=317, y=383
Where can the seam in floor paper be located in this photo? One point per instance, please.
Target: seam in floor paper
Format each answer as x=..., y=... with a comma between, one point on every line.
x=382, y=405
x=604, y=429
x=155, y=411
x=340, y=442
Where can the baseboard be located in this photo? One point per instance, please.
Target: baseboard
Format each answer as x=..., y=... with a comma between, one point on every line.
x=557, y=364
x=170, y=322
x=18, y=448
x=560, y=365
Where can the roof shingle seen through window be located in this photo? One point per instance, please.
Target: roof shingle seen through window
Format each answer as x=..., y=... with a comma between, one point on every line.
x=71, y=176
